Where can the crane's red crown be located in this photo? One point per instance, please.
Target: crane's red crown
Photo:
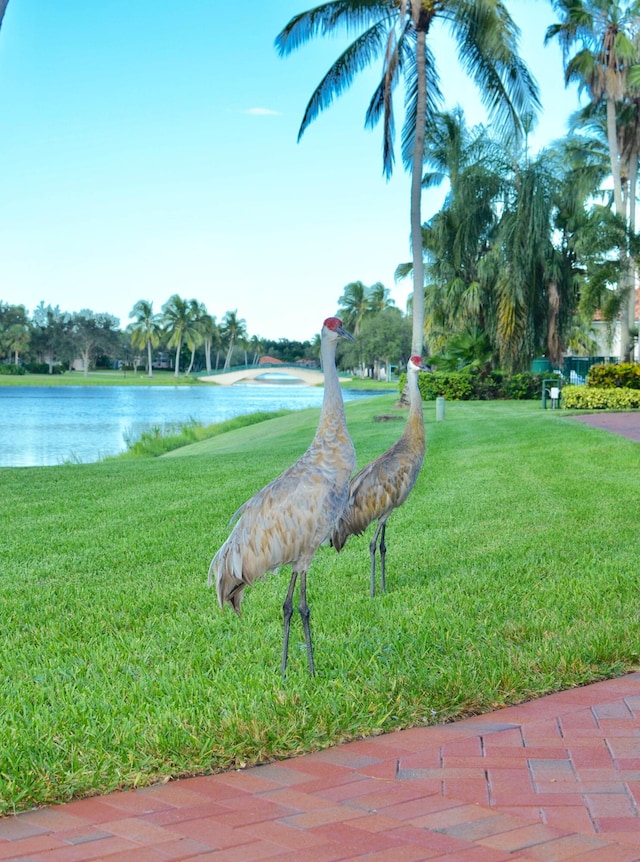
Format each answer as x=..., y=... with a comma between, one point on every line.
x=333, y=323
x=417, y=360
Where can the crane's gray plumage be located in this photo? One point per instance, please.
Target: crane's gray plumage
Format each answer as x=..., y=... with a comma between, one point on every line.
x=293, y=515
x=385, y=483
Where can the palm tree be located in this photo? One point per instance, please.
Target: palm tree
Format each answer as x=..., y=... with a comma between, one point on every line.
x=194, y=335
x=179, y=323
x=17, y=339
x=606, y=65
x=146, y=330
x=232, y=329
x=210, y=336
x=398, y=31
x=378, y=298
x=3, y=9
x=256, y=346
x=458, y=237
x=353, y=305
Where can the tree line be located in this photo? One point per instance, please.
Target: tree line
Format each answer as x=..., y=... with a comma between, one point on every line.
x=184, y=336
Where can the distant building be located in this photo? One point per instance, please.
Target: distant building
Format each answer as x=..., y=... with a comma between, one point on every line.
x=608, y=334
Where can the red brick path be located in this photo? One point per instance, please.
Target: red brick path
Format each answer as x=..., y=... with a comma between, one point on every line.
x=626, y=424
x=554, y=779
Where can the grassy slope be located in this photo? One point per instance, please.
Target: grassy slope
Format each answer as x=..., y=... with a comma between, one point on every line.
x=512, y=572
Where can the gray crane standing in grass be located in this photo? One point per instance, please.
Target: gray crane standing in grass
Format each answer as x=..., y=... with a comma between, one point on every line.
x=385, y=483
x=293, y=515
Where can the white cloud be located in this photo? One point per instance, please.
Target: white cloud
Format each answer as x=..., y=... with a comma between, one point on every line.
x=262, y=112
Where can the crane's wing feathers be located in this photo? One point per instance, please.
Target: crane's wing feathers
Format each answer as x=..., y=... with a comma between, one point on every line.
x=377, y=489
x=285, y=522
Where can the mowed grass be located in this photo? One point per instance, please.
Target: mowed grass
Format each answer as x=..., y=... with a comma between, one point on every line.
x=512, y=572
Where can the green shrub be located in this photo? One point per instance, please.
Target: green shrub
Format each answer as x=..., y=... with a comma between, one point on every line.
x=456, y=386
x=623, y=374
x=7, y=368
x=523, y=387
x=43, y=368
x=598, y=398
x=472, y=386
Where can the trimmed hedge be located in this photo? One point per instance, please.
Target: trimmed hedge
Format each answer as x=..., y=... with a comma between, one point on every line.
x=623, y=374
x=465, y=386
x=10, y=368
x=43, y=368
x=599, y=398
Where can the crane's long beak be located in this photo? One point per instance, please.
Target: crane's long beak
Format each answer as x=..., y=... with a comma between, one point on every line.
x=342, y=332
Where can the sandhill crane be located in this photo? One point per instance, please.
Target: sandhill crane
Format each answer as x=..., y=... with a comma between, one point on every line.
x=385, y=483
x=294, y=514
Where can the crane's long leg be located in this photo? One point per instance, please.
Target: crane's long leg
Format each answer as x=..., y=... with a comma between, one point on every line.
x=287, y=610
x=305, y=613
x=383, y=554
x=373, y=544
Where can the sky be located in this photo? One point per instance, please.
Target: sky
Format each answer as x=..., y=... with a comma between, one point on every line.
x=150, y=148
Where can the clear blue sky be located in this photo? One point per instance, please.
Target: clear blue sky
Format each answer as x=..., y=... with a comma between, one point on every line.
x=149, y=148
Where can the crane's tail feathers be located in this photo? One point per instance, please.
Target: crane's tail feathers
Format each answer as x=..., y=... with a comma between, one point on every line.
x=226, y=570
x=342, y=530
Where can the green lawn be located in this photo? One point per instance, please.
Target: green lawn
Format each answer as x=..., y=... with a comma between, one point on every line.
x=512, y=572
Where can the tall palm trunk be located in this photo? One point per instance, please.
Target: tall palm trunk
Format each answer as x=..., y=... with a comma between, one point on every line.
x=626, y=267
x=149, y=367
x=417, y=335
x=631, y=303
x=612, y=139
x=178, y=348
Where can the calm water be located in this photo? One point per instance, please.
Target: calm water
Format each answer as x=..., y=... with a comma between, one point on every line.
x=48, y=425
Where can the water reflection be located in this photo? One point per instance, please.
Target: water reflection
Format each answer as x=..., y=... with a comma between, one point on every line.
x=48, y=425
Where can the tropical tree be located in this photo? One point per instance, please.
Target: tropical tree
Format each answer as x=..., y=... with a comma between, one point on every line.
x=256, y=346
x=353, y=305
x=18, y=338
x=15, y=330
x=194, y=335
x=210, y=336
x=146, y=330
x=502, y=254
x=385, y=341
x=180, y=324
x=606, y=65
x=232, y=329
x=456, y=239
x=51, y=337
x=92, y=333
x=379, y=298
x=398, y=31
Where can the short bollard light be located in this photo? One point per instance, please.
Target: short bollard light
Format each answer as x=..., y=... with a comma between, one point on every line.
x=439, y=408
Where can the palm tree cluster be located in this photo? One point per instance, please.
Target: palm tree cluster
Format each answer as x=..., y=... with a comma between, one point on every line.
x=523, y=250
x=510, y=252
x=400, y=34
x=605, y=35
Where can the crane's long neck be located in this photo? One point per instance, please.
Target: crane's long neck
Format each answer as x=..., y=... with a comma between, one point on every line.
x=415, y=420
x=332, y=403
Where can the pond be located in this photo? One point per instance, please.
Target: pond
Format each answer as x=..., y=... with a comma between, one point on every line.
x=50, y=425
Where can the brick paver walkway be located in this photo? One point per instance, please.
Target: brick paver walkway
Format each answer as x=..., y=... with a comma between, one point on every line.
x=627, y=424
x=554, y=779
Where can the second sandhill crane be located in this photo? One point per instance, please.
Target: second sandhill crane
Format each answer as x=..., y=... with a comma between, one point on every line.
x=293, y=515
x=385, y=483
